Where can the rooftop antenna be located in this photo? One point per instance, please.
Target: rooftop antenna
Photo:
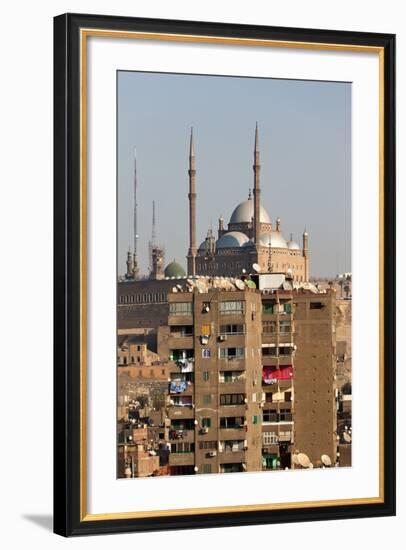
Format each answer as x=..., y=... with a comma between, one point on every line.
x=133, y=266
x=153, y=234
x=135, y=203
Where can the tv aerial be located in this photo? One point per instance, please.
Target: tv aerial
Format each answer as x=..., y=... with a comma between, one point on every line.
x=256, y=268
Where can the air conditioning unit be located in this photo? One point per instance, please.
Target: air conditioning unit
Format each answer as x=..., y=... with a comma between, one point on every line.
x=212, y=453
x=222, y=338
x=204, y=430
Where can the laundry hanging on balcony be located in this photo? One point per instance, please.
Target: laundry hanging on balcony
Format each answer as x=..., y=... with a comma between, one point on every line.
x=177, y=386
x=271, y=374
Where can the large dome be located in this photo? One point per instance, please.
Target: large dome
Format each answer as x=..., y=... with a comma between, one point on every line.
x=174, y=270
x=273, y=238
x=232, y=239
x=244, y=213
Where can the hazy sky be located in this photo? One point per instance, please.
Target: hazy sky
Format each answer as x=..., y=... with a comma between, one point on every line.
x=305, y=143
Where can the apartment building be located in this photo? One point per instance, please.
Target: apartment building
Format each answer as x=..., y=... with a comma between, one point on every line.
x=213, y=343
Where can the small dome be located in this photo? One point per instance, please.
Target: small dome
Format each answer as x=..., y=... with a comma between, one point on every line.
x=174, y=270
x=244, y=213
x=273, y=238
x=203, y=246
x=232, y=239
x=293, y=246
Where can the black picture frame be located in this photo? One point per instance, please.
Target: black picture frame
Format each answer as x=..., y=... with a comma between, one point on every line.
x=68, y=520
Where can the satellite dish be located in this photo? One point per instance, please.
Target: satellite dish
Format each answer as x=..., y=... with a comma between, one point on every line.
x=326, y=460
x=174, y=289
x=179, y=287
x=311, y=465
x=239, y=284
x=303, y=460
x=256, y=267
x=347, y=437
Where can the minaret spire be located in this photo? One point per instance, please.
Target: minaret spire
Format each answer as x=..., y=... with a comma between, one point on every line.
x=257, y=190
x=192, y=207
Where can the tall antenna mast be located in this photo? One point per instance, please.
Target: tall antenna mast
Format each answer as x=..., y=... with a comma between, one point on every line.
x=153, y=234
x=135, y=204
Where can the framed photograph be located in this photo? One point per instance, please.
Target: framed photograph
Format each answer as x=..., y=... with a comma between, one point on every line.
x=224, y=274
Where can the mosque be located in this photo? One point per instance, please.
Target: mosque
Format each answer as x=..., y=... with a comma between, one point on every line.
x=250, y=237
x=250, y=242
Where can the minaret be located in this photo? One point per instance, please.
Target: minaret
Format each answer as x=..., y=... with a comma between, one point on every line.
x=191, y=259
x=256, y=190
x=152, y=242
x=130, y=265
x=220, y=231
x=306, y=254
x=135, y=236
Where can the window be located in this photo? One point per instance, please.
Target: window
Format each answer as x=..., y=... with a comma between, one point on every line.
x=267, y=307
x=285, y=415
x=231, y=468
x=269, y=438
x=163, y=372
x=231, y=376
x=255, y=419
x=288, y=396
x=232, y=353
x=285, y=350
x=206, y=399
x=182, y=447
x=208, y=445
x=316, y=305
x=268, y=397
x=180, y=308
x=206, y=469
x=287, y=308
x=269, y=351
x=270, y=415
x=232, y=399
x=178, y=354
x=232, y=446
x=231, y=329
x=269, y=327
x=284, y=327
x=233, y=422
x=206, y=353
x=206, y=422
x=231, y=307
x=182, y=330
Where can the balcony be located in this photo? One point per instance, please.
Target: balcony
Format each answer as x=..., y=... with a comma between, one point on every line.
x=182, y=459
x=177, y=341
x=189, y=389
x=175, y=435
x=232, y=364
x=231, y=457
x=228, y=434
x=238, y=386
x=181, y=412
x=233, y=410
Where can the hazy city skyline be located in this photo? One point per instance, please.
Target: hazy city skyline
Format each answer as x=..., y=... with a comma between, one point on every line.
x=305, y=142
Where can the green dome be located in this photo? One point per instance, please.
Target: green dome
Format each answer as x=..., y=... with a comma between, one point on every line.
x=174, y=270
